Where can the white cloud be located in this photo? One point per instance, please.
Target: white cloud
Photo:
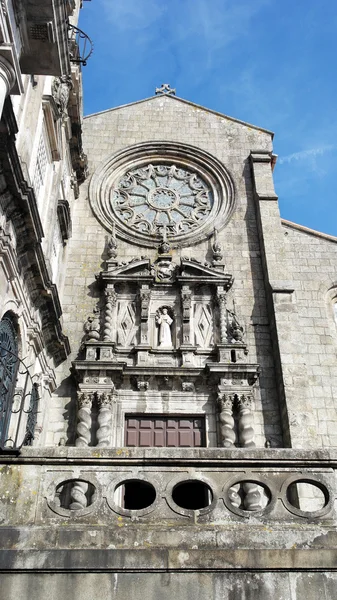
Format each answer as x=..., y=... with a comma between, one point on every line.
x=306, y=154
x=133, y=14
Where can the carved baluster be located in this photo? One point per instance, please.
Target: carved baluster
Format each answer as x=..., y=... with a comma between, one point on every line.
x=233, y=494
x=221, y=297
x=104, y=420
x=252, y=499
x=78, y=495
x=110, y=303
x=227, y=432
x=84, y=419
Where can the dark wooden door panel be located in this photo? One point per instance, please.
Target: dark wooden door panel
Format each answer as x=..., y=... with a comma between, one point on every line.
x=160, y=432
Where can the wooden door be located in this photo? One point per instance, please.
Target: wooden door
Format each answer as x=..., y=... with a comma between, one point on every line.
x=164, y=432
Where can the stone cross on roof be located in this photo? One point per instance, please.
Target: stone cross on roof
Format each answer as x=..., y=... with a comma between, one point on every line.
x=166, y=89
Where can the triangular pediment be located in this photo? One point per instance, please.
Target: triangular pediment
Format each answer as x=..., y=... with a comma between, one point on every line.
x=176, y=99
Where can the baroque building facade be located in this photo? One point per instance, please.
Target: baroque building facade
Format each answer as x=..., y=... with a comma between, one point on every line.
x=168, y=347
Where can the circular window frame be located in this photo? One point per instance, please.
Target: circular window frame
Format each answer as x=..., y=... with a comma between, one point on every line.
x=317, y=482
x=67, y=512
x=189, y=512
x=127, y=512
x=210, y=169
x=249, y=478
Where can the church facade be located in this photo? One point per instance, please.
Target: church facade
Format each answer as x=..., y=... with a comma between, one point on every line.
x=173, y=429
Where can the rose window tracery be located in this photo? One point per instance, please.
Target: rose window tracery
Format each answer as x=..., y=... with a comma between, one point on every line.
x=156, y=189
x=154, y=197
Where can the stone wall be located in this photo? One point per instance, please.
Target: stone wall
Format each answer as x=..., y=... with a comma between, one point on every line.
x=168, y=119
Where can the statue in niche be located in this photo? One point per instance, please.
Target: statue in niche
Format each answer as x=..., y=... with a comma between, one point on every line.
x=164, y=321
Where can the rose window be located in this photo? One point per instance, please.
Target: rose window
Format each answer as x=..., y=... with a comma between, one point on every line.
x=155, y=198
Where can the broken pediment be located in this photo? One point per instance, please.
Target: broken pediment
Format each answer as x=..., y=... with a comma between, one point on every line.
x=190, y=270
x=195, y=271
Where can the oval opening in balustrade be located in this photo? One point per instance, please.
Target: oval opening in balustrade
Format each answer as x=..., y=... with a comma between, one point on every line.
x=134, y=494
x=249, y=495
x=307, y=496
x=74, y=494
x=192, y=494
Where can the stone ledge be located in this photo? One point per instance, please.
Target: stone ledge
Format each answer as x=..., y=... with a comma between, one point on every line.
x=223, y=457
x=167, y=560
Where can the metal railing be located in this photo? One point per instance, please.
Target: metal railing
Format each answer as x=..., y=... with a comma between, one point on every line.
x=80, y=46
x=19, y=400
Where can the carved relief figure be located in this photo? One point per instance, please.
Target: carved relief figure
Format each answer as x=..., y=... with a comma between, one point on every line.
x=164, y=321
x=163, y=270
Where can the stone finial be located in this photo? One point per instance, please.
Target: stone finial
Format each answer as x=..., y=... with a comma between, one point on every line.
x=92, y=325
x=111, y=249
x=166, y=90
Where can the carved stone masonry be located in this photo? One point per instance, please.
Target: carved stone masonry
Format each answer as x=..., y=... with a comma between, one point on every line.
x=83, y=430
x=235, y=331
x=227, y=432
x=61, y=90
x=217, y=250
x=103, y=434
x=110, y=303
x=145, y=297
x=222, y=301
x=165, y=89
x=188, y=386
x=186, y=301
x=92, y=326
x=78, y=495
x=246, y=430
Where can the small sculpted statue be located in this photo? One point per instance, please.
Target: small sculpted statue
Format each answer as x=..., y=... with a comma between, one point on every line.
x=164, y=321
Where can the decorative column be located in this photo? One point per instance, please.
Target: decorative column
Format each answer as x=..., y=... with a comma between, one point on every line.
x=84, y=423
x=252, y=498
x=222, y=302
x=7, y=80
x=186, y=302
x=110, y=303
x=246, y=430
x=225, y=404
x=104, y=420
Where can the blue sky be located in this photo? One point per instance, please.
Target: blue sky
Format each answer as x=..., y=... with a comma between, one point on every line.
x=268, y=62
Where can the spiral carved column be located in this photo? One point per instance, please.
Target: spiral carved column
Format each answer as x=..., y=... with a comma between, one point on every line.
x=78, y=495
x=110, y=303
x=104, y=420
x=252, y=498
x=225, y=404
x=84, y=422
x=246, y=430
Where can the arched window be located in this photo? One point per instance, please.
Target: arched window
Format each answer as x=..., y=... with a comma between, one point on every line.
x=8, y=371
